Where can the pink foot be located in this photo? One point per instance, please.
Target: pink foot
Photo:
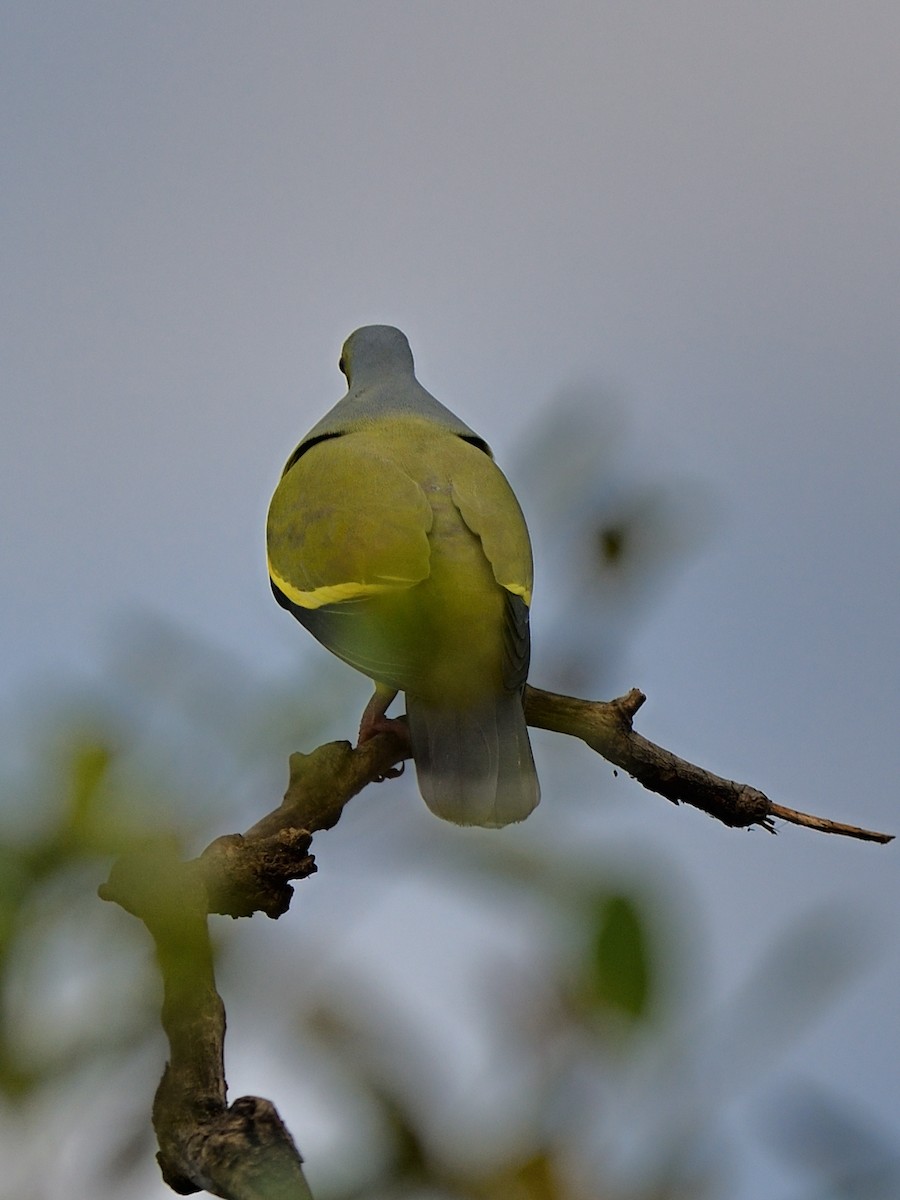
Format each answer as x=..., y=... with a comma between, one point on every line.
x=374, y=720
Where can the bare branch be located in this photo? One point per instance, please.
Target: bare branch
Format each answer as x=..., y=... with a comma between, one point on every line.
x=607, y=727
x=244, y=1152
x=825, y=826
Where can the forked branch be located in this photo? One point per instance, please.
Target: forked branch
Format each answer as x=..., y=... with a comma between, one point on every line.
x=244, y=1152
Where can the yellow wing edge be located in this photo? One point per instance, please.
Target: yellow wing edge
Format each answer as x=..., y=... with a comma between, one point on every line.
x=518, y=589
x=333, y=593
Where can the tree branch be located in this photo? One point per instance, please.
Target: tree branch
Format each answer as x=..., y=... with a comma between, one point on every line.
x=239, y=1153
x=244, y=1152
x=607, y=727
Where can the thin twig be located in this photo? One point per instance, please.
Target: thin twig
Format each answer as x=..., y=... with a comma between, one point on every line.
x=825, y=826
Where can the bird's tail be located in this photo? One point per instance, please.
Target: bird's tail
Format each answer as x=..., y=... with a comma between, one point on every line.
x=474, y=767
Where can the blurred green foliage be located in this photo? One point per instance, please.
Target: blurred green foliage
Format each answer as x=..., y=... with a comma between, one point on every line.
x=617, y=970
x=40, y=873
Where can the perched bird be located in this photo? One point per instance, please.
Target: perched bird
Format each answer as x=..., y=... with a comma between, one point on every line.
x=395, y=539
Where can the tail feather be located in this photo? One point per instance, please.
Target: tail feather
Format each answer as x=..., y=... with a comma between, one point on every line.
x=474, y=767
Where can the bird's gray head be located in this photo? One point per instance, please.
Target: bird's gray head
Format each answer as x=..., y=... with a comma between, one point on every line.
x=373, y=352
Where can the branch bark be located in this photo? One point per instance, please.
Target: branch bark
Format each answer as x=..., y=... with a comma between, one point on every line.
x=244, y=1152
x=607, y=727
x=241, y=1152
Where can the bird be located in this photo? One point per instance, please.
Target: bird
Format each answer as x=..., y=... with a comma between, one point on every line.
x=398, y=543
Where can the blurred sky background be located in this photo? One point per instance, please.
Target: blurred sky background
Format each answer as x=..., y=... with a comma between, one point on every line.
x=689, y=210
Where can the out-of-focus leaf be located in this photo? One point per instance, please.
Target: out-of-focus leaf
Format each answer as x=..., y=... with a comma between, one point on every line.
x=612, y=542
x=534, y=1179
x=13, y=886
x=616, y=970
x=90, y=763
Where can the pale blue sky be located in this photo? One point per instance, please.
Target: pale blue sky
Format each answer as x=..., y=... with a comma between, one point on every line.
x=693, y=207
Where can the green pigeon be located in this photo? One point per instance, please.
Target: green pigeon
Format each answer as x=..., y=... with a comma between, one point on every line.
x=398, y=543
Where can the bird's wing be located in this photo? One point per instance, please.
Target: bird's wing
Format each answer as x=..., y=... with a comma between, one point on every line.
x=489, y=507
x=345, y=524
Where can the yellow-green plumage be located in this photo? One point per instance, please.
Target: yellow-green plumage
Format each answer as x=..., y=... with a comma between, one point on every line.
x=398, y=543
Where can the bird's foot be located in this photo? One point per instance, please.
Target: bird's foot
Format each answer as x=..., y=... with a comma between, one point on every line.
x=371, y=728
x=375, y=719
x=391, y=773
x=397, y=726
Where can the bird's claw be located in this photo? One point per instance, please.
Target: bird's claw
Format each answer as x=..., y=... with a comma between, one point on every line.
x=391, y=773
